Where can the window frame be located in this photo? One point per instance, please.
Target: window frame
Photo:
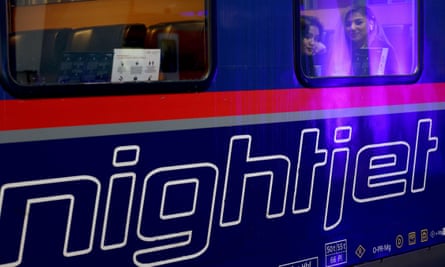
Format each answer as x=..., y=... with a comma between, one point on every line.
x=104, y=88
x=350, y=80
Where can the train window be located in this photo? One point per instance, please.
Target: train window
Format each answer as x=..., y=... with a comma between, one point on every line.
x=60, y=46
x=357, y=42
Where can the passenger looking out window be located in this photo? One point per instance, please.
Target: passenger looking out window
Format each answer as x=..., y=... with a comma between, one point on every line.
x=362, y=47
x=312, y=49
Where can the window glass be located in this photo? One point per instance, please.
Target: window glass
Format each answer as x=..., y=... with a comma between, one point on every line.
x=58, y=42
x=357, y=39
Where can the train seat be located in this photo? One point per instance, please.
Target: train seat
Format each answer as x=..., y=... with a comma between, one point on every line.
x=37, y=63
x=89, y=53
x=183, y=45
x=106, y=38
x=401, y=38
x=134, y=35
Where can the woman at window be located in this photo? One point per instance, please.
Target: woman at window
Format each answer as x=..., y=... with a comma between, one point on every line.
x=364, y=48
x=311, y=47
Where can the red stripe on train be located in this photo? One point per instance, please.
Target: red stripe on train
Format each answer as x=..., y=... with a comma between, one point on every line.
x=27, y=114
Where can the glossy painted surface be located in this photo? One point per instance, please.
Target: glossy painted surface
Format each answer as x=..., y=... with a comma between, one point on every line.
x=255, y=171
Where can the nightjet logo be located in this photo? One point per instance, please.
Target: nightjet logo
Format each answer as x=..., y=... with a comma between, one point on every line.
x=174, y=229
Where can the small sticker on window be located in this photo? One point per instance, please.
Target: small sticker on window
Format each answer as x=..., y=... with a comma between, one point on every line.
x=133, y=65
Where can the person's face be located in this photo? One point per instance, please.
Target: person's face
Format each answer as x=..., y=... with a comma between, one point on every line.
x=357, y=28
x=310, y=39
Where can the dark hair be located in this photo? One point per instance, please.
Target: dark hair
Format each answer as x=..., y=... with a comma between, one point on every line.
x=306, y=22
x=364, y=10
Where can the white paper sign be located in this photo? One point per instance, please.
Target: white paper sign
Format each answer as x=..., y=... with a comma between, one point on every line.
x=134, y=65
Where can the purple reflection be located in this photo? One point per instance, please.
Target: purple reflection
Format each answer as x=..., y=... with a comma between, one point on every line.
x=202, y=13
x=364, y=41
x=188, y=14
x=199, y=13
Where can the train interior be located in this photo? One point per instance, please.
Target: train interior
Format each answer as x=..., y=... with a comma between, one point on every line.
x=78, y=48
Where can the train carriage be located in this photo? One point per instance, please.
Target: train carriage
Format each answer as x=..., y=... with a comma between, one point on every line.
x=202, y=133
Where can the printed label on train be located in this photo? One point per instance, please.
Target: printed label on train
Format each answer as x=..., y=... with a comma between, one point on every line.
x=224, y=196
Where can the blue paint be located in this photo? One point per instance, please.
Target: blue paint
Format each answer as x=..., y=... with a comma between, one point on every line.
x=190, y=180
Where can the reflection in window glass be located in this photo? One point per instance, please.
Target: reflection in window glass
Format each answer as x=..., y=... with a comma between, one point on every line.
x=104, y=41
x=357, y=38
